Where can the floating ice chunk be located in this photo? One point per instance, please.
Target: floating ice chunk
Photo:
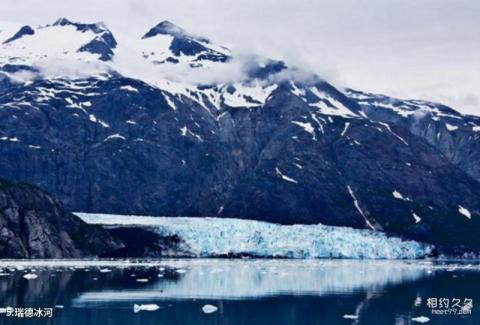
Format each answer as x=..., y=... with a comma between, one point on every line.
x=421, y=319
x=208, y=309
x=465, y=212
x=30, y=276
x=59, y=306
x=346, y=316
x=476, y=128
x=142, y=280
x=181, y=271
x=145, y=307
x=105, y=270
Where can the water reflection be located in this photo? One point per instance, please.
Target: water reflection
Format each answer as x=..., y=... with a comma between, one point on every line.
x=244, y=291
x=237, y=279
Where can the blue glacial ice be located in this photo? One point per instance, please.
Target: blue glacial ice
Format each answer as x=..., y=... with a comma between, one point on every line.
x=207, y=237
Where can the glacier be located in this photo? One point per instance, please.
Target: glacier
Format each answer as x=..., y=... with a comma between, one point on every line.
x=210, y=237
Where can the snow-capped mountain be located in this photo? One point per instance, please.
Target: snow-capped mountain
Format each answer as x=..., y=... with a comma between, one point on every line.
x=171, y=124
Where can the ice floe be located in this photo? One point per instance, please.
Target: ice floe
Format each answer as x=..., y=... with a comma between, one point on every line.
x=145, y=307
x=209, y=309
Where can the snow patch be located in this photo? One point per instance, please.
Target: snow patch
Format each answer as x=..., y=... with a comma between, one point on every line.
x=450, y=127
x=307, y=127
x=465, y=212
x=129, y=88
x=396, y=194
x=416, y=217
x=355, y=201
x=345, y=129
x=284, y=177
x=114, y=136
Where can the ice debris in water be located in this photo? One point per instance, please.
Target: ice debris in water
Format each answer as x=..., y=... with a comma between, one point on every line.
x=421, y=319
x=208, y=237
x=350, y=316
x=142, y=280
x=105, y=270
x=30, y=276
x=208, y=309
x=146, y=307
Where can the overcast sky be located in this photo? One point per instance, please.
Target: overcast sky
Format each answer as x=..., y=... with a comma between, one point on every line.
x=425, y=49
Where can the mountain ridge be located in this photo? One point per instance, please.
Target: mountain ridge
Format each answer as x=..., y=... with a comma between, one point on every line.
x=270, y=146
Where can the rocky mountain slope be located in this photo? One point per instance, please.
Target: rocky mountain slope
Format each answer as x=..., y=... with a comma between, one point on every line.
x=34, y=225
x=197, y=131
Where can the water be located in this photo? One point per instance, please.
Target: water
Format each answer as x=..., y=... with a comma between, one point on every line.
x=244, y=291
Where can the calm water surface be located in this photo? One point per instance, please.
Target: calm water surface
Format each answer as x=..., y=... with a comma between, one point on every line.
x=244, y=291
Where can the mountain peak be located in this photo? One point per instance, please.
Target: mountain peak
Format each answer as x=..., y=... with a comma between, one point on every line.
x=62, y=22
x=25, y=30
x=165, y=28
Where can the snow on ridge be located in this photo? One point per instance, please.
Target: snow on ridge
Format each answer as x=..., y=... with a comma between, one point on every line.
x=209, y=237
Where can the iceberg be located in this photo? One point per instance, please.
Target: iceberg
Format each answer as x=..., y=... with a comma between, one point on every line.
x=210, y=237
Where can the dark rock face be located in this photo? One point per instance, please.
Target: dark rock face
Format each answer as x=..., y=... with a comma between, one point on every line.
x=25, y=30
x=34, y=225
x=143, y=242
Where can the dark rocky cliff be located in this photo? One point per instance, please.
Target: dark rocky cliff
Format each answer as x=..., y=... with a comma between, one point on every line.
x=34, y=225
